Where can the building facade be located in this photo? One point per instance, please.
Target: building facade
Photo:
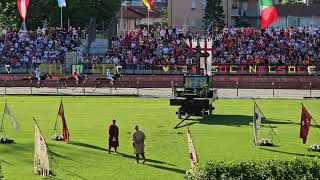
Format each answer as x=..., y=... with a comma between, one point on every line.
x=190, y=13
x=133, y=14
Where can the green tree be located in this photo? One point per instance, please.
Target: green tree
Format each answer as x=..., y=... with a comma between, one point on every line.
x=214, y=14
x=79, y=12
x=9, y=16
x=165, y=17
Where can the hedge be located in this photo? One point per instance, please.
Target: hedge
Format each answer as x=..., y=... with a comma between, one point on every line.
x=296, y=169
x=1, y=176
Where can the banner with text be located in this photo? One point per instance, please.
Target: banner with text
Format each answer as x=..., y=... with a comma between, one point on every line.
x=265, y=69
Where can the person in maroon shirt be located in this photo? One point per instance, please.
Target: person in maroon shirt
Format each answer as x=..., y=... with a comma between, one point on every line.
x=113, y=136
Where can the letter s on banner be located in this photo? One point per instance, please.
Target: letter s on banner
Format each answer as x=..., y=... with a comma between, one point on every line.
x=281, y=69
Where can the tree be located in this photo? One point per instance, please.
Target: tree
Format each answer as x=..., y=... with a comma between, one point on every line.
x=214, y=14
x=78, y=11
x=165, y=17
x=9, y=16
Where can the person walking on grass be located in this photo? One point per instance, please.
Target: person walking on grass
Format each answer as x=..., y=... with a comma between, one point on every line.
x=113, y=136
x=138, y=138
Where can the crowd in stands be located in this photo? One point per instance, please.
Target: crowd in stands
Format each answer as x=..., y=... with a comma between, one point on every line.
x=163, y=46
x=273, y=46
x=166, y=46
x=19, y=48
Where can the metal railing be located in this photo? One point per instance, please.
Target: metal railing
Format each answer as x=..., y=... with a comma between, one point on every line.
x=237, y=89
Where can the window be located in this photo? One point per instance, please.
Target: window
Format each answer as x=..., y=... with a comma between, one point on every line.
x=193, y=4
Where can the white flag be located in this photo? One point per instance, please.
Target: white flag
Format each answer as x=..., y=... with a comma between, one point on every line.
x=62, y=3
x=41, y=159
x=14, y=123
x=257, y=116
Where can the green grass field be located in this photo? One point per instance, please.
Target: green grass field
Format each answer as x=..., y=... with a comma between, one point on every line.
x=226, y=136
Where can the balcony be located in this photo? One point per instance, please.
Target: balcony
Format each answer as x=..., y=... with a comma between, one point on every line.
x=244, y=13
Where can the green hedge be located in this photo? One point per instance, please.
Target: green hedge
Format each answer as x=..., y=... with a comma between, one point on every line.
x=1, y=176
x=297, y=169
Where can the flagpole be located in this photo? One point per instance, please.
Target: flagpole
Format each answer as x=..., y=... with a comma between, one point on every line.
x=2, y=128
x=314, y=120
x=24, y=24
x=259, y=23
x=148, y=19
x=61, y=17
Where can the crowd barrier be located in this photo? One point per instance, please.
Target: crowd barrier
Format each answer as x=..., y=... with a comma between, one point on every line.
x=154, y=69
x=167, y=82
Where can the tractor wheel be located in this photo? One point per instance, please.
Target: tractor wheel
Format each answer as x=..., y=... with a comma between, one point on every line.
x=203, y=112
x=210, y=110
x=179, y=113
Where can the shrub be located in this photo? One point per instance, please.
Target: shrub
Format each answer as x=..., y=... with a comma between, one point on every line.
x=1, y=176
x=296, y=169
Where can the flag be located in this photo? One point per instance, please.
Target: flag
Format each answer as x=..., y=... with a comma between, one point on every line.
x=66, y=134
x=23, y=8
x=257, y=116
x=41, y=159
x=148, y=4
x=305, y=124
x=192, y=151
x=268, y=13
x=14, y=123
x=62, y=3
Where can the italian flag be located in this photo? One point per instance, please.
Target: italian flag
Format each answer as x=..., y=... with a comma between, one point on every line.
x=148, y=3
x=268, y=13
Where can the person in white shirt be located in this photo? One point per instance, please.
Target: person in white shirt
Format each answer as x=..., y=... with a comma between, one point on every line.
x=109, y=76
x=37, y=72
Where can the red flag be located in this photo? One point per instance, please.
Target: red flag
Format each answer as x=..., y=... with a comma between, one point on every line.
x=66, y=134
x=23, y=8
x=148, y=3
x=305, y=124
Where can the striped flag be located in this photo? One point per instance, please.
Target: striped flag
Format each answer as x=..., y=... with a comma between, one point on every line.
x=148, y=4
x=23, y=8
x=41, y=159
x=192, y=151
x=66, y=134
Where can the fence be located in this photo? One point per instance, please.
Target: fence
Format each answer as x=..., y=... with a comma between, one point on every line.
x=158, y=89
